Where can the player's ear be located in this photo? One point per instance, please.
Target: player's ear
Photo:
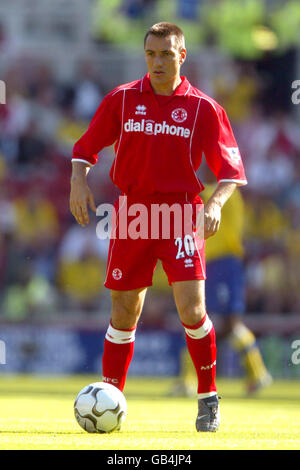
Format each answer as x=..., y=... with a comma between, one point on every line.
x=182, y=56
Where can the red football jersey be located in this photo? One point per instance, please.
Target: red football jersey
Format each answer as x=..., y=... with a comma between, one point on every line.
x=159, y=140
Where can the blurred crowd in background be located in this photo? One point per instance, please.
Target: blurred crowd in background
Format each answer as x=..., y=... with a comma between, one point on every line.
x=49, y=264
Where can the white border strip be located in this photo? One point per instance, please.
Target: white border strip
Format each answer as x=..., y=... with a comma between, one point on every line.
x=112, y=247
x=203, y=98
x=241, y=182
x=200, y=332
x=119, y=336
x=122, y=127
x=187, y=90
x=194, y=236
x=122, y=89
x=80, y=160
x=191, y=139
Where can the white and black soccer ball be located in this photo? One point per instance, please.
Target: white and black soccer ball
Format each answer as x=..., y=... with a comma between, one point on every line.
x=100, y=407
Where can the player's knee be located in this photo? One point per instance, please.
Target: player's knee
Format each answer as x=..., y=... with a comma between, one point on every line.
x=191, y=313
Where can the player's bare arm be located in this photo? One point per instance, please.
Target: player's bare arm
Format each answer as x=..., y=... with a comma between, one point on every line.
x=81, y=196
x=213, y=207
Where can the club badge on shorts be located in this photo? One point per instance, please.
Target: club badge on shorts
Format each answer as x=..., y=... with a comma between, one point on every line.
x=117, y=274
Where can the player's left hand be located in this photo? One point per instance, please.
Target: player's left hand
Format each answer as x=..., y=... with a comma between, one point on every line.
x=212, y=218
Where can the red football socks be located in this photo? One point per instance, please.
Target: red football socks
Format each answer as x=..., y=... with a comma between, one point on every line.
x=201, y=343
x=117, y=355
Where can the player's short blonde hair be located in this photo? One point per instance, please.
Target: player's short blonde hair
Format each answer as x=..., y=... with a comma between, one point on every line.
x=164, y=30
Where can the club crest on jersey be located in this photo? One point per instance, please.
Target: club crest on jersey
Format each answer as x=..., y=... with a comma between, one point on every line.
x=179, y=115
x=140, y=109
x=117, y=274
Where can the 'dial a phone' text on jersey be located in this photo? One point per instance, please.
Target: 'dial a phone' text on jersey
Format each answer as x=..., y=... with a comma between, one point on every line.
x=159, y=140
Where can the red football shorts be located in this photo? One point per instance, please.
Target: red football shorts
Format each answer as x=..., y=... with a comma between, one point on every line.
x=164, y=227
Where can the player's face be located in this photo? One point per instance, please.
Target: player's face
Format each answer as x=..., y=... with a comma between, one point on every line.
x=163, y=59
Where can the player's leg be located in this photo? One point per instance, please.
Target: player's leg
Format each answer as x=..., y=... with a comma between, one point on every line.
x=243, y=341
x=225, y=296
x=130, y=268
x=183, y=259
x=189, y=297
x=190, y=302
x=127, y=307
x=119, y=340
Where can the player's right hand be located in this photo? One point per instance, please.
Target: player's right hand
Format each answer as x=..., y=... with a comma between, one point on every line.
x=81, y=198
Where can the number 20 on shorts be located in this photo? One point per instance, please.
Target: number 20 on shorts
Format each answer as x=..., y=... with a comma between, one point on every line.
x=186, y=247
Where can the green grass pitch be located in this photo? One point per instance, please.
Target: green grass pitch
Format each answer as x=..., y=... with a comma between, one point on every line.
x=37, y=413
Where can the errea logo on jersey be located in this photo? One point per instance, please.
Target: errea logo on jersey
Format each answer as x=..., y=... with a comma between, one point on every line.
x=149, y=127
x=188, y=263
x=140, y=109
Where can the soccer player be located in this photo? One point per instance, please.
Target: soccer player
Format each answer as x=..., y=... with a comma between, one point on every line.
x=160, y=126
x=225, y=295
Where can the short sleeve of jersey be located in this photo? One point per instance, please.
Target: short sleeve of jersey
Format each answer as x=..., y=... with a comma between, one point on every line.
x=219, y=145
x=104, y=130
